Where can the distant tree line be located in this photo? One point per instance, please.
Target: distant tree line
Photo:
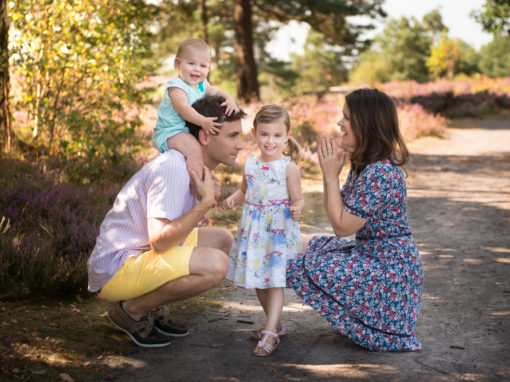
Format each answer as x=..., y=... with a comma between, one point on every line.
x=74, y=64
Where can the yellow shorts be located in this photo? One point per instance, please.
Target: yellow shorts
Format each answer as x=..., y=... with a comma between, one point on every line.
x=148, y=271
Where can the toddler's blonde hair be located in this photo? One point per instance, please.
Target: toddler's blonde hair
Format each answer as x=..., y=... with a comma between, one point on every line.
x=191, y=43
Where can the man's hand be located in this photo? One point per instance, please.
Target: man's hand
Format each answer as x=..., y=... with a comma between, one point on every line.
x=217, y=186
x=204, y=187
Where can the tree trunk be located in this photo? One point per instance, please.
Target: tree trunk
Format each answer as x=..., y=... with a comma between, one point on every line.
x=5, y=112
x=246, y=69
x=203, y=15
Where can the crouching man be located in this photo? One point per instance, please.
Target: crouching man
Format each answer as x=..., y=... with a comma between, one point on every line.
x=149, y=251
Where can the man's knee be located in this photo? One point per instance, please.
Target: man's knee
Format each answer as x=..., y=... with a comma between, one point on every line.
x=226, y=239
x=219, y=265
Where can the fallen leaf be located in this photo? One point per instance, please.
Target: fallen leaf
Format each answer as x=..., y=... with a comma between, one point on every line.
x=65, y=377
x=40, y=372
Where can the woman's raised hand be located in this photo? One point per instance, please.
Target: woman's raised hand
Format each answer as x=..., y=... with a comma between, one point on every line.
x=331, y=158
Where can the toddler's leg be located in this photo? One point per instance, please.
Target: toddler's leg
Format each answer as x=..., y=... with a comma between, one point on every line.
x=188, y=146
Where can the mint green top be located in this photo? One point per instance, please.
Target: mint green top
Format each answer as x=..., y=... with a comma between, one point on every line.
x=170, y=122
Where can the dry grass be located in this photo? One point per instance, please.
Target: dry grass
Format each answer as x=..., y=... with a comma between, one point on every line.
x=55, y=339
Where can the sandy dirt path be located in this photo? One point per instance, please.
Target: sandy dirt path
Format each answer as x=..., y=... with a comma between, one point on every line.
x=459, y=200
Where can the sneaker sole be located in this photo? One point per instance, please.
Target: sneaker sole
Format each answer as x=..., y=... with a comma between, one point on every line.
x=135, y=340
x=175, y=335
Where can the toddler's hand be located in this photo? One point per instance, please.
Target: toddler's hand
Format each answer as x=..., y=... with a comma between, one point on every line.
x=227, y=204
x=297, y=211
x=231, y=105
x=209, y=126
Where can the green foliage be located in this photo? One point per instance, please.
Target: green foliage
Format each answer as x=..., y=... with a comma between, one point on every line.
x=373, y=67
x=495, y=57
x=400, y=51
x=321, y=66
x=406, y=44
x=467, y=63
x=495, y=17
x=335, y=36
x=76, y=63
x=443, y=57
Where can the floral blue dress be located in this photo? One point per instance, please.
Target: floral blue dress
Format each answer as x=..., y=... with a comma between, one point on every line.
x=267, y=237
x=368, y=289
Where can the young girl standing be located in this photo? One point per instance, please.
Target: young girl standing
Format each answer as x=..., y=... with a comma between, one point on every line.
x=268, y=234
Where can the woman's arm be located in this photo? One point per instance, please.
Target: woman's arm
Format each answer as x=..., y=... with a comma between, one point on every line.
x=332, y=159
x=295, y=191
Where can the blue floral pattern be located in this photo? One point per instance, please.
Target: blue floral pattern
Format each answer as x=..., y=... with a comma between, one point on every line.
x=368, y=289
x=267, y=237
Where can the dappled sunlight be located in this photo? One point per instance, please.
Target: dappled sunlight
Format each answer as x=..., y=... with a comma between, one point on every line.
x=473, y=261
x=253, y=307
x=499, y=314
x=502, y=260
x=498, y=249
x=428, y=296
x=345, y=370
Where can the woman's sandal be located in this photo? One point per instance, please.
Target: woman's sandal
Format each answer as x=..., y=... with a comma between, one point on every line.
x=264, y=349
x=256, y=335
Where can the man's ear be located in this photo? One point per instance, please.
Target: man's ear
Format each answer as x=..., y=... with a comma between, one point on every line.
x=203, y=137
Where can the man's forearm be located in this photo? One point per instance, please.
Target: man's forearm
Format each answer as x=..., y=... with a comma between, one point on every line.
x=167, y=234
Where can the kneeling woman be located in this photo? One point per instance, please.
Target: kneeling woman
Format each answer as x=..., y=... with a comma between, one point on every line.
x=368, y=289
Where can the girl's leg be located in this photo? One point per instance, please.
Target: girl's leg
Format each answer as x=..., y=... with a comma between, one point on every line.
x=272, y=299
x=274, y=306
x=263, y=296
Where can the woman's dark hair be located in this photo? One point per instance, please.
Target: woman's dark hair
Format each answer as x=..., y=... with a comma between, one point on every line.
x=374, y=123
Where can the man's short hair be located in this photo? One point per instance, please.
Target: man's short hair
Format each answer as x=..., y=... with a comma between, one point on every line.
x=210, y=106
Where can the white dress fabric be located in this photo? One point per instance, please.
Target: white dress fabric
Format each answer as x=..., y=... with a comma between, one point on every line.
x=267, y=237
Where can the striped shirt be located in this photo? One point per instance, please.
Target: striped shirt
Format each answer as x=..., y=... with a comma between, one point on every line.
x=159, y=190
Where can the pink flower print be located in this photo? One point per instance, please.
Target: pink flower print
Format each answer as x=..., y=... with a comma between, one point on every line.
x=265, y=168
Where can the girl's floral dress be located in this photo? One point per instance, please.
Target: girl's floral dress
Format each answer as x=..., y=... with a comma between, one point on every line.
x=267, y=237
x=368, y=289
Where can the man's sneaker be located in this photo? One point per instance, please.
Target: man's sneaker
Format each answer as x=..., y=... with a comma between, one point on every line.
x=164, y=325
x=142, y=332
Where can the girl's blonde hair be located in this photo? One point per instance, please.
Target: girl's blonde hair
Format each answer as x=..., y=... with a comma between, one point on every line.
x=191, y=43
x=273, y=113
